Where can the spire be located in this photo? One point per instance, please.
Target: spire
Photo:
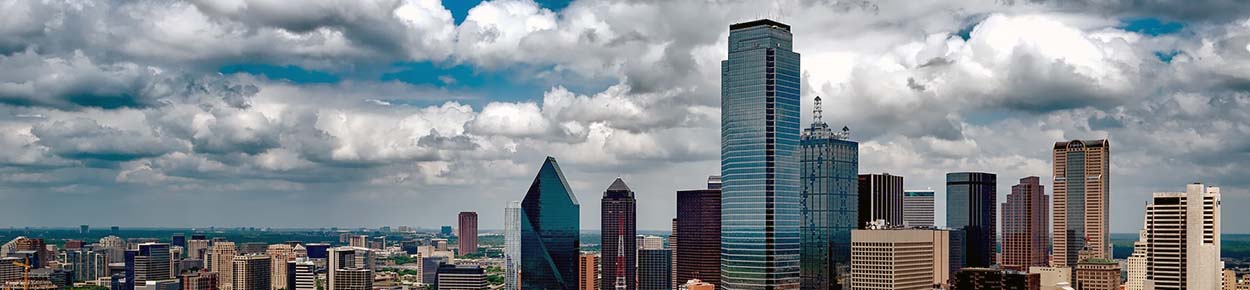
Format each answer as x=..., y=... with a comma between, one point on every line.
x=816, y=118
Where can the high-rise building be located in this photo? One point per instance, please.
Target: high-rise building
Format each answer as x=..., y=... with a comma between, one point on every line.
x=1229, y=280
x=972, y=208
x=221, y=261
x=302, y=274
x=1182, y=235
x=1082, y=172
x=654, y=268
x=150, y=262
x=550, y=231
x=1026, y=219
x=196, y=249
x=900, y=259
x=359, y=241
x=761, y=203
x=880, y=198
x=460, y=277
x=918, y=208
x=179, y=240
x=349, y=268
x=698, y=225
x=9, y=269
x=466, y=236
x=1098, y=274
x=672, y=247
x=1137, y=263
x=512, y=245
x=995, y=279
x=587, y=272
x=251, y=272
x=445, y=231
x=279, y=256
x=38, y=250
x=830, y=196
x=619, y=249
x=1053, y=278
x=199, y=281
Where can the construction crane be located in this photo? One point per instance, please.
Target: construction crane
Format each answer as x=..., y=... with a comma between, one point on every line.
x=25, y=265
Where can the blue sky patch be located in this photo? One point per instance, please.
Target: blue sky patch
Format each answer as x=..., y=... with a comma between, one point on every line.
x=1151, y=26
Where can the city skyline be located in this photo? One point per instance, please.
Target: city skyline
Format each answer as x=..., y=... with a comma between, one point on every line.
x=333, y=115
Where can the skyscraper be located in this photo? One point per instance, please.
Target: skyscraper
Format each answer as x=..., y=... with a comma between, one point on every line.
x=302, y=274
x=279, y=256
x=1137, y=263
x=251, y=272
x=698, y=224
x=349, y=268
x=653, y=269
x=150, y=262
x=830, y=164
x=1082, y=172
x=196, y=249
x=1183, y=239
x=914, y=259
x=512, y=245
x=221, y=261
x=1026, y=219
x=759, y=158
x=619, y=222
x=918, y=208
x=179, y=240
x=972, y=207
x=587, y=271
x=880, y=198
x=550, y=231
x=467, y=233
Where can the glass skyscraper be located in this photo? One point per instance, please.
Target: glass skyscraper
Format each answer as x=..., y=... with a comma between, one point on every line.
x=972, y=207
x=549, y=232
x=830, y=164
x=619, y=247
x=512, y=244
x=759, y=158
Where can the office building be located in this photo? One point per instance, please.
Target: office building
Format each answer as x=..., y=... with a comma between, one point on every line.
x=761, y=202
x=918, y=208
x=445, y=231
x=39, y=254
x=1094, y=272
x=1082, y=172
x=1137, y=263
x=698, y=227
x=619, y=248
x=1053, y=278
x=197, y=249
x=251, y=272
x=995, y=279
x=199, y=281
x=318, y=250
x=1026, y=226
x=149, y=262
x=359, y=241
x=460, y=277
x=279, y=256
x=466, y=237
x=9, y=269
x=587, y=272
x=178, y=240
x=512, y=245
x=900, y=259
x=672, y=247
x=350, y=268
x=1182, y=234
x=972, y=208
x=654, y=272
x=429, y=267
x=830, y=196
x=302, y=274
x=550, y=231
x=252, y=248
x=880, y=198
x=221, y=261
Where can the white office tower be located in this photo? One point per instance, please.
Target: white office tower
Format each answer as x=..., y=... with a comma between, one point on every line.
x=1137, y=263
x=305, y=272
x=512, y=245
x=1183, y=239
x=350, y=268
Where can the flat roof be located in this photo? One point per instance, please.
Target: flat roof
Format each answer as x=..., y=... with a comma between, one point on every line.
x=760, y=22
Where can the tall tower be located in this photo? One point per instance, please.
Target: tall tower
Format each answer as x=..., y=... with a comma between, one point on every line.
x=466, y=237
x=972, y=208
x=830, y=196
x=222, y=258
x=759, y=158
x=1025, y=226
x=619, y=221
x=698, y=223
x=512, y=245
x=1082, y=172
x=550, y=231
x=1182, y=235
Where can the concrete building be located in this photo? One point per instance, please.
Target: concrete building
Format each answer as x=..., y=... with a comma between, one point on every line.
x=1183, y=239
x=302, y=274
x=197, y=249
x=1096, y=273
x=251, y=272
x=619, y=254
x=698, y=228
x=1137, y=263
x=349, y=268
x=221, y=261
x=1026, y=226
x=1053, y=278
x=1082, y=179
x=202, y=280
x=880, y=198
x=900, y=259
x=359, y=241
x=460, y=277
x=279, y=257
x=587, y=271
x=466, y=234
x=918, y=208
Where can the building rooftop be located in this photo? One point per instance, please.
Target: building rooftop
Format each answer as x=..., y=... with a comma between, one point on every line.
x=761, y=22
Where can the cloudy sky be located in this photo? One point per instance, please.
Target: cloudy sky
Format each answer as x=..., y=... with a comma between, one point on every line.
x=404, y=112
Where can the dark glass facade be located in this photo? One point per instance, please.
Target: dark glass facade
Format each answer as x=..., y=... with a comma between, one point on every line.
x=760, y=199
x=698, y=228
x=653, y=269
x=830, y=165
x=880, y=198
x=971, y=207
x=549, y=231
x=619, y=246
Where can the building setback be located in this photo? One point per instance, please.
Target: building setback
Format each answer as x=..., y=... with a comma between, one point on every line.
x=760, y=86
x=1082, y=172
x=618, y=255
x=903, y=259
x=972, y=208
x=698, y=228
x=1182, y=234
x=830, y=192
x=466, y=235
x=880, y=198
x=550, y=231
x=1026, y=226
x=918, y=208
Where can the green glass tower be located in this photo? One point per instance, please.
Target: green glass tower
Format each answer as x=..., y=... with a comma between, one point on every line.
x=549, y=231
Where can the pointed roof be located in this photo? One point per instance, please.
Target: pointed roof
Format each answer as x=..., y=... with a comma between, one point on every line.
x=618, y=184
x=618, y=189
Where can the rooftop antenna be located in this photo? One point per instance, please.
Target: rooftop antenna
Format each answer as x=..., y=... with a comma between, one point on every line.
x=816, y=118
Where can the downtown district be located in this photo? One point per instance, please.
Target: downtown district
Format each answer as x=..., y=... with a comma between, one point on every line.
x=790, y=210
